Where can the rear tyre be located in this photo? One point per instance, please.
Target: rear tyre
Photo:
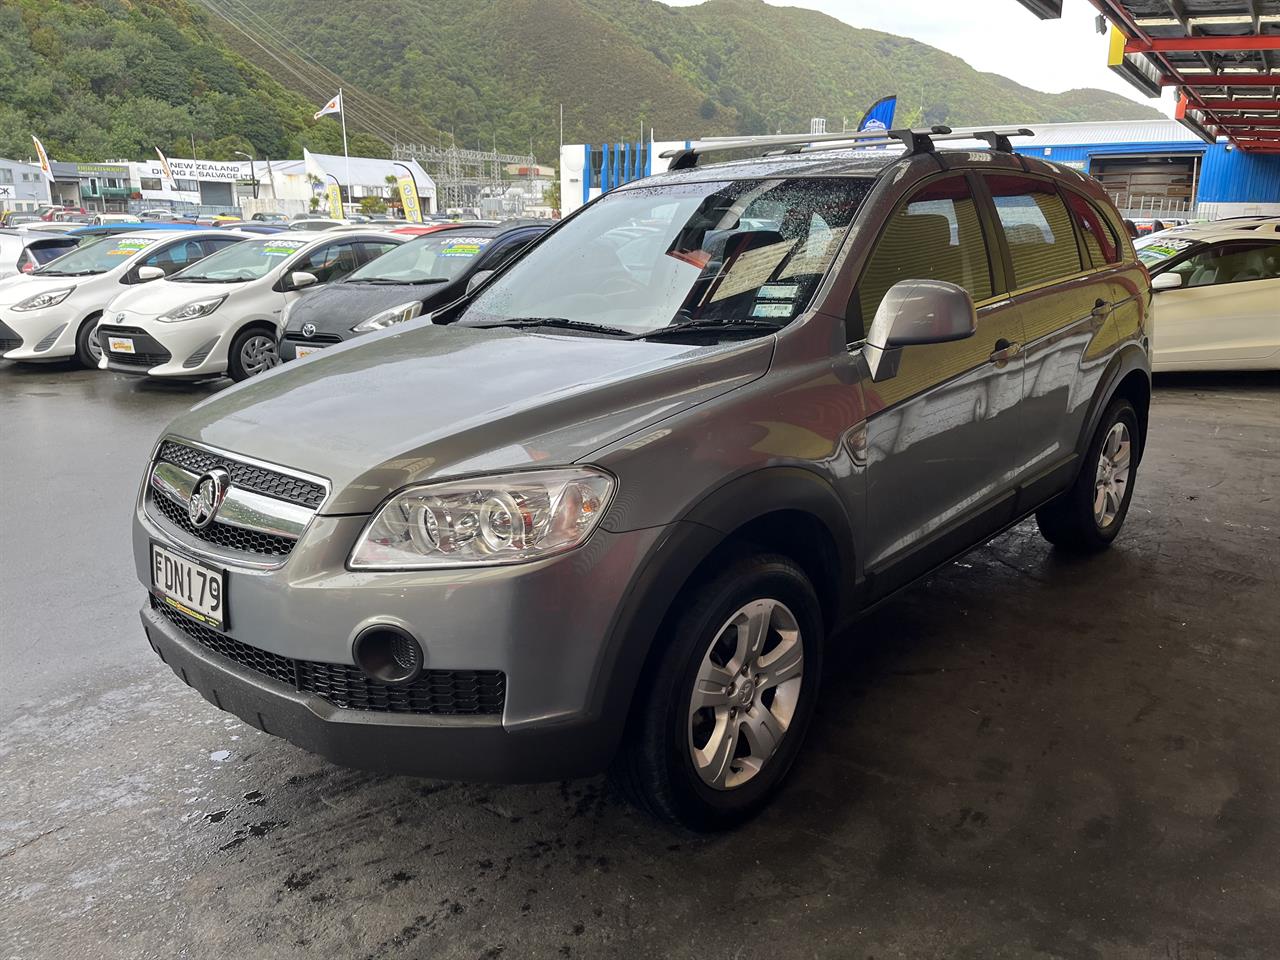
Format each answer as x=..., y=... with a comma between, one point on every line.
x=1088, y=517
x=88, y=350
x=722, y=714
x=252, y=351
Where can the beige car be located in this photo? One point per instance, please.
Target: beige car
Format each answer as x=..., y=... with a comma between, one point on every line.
x=1216, y=296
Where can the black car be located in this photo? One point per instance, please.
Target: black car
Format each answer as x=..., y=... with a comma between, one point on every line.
x=415, y=278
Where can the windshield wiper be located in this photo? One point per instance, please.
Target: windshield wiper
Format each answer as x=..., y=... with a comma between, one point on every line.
x=560, y=323
x=391, y=281
x=708, y=326
x=66, y=273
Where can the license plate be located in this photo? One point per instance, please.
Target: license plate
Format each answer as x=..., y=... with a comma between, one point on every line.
x=300, y=352
x=191, y=588
x=120, y=345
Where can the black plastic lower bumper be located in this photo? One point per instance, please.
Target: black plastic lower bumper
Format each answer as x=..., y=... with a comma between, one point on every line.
x=447, y=747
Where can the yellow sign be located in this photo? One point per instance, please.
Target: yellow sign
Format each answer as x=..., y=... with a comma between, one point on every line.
x=1115, y=50
x=409, y=199
x=335, y=201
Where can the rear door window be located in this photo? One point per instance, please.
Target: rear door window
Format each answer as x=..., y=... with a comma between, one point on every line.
x=333, y=261
x=1037, y=227
x=174, y=257
x=935, y=235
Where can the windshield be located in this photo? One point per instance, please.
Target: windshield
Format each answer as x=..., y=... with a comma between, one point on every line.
x=441, y=258
x=1154, y=251
x=244, y=261
x=96, y=256
x=644, y=258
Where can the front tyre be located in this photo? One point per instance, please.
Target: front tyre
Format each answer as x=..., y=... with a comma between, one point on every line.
x=729, y=699
x=252, y=351
x=1089, y=516
x=88, y=349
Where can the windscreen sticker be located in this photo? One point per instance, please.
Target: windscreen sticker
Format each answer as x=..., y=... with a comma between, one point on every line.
x=1166, y=248
x=282, y=248
x=771, y=310
x=464, y=246
x=127, y=248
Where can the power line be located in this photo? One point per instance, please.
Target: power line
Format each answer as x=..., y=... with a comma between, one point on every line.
x=373, y=115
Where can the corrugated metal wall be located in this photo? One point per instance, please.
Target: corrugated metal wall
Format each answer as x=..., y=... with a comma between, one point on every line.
x=1226, y=176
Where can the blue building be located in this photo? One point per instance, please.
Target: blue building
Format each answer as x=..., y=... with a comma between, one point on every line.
x=1151, y=168
x=1159, y=167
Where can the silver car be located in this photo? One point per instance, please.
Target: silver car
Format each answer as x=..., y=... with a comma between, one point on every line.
x=607, y=509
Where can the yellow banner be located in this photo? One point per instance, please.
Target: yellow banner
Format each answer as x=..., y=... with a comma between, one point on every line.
x=335, y=202
x=409, y=199
x=1115, y=50
x=45, y=167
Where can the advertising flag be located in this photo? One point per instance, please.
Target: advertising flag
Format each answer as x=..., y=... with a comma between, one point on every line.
x=164, y=168
x=880, y=116
x=333, y=106
x=409, y=199
x=44, y=158
x=335, y=201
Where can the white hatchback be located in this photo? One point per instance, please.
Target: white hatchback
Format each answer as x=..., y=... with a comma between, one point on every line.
x=50, y=314
x=1216, y=295
x=222, y=315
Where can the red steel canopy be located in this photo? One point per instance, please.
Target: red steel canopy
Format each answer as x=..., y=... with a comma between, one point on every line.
x=1222, y=55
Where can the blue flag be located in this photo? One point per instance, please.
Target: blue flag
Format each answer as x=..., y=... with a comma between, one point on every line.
x=880, y=116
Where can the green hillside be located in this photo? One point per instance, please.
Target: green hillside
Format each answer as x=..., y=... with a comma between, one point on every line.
x=117, y=78
x=99, y=79
x=498, y=69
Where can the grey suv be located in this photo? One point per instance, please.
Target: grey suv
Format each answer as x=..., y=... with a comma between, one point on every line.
x=607, y=509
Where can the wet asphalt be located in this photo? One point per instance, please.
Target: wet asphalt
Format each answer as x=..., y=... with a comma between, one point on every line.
x=1023, y=756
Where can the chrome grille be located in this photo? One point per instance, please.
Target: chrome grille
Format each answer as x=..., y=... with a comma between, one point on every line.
x=262, y=480
x=440, y=692
x=222, y=534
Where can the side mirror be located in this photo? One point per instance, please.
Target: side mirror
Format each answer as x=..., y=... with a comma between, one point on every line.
x=477, y=278
x=917, y=312
x=1166, y=281
x=299, y=279
x=150, y=273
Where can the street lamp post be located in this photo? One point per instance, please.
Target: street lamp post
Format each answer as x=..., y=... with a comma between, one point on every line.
x=253, y=171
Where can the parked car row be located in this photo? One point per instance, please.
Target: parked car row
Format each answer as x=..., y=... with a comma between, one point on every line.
x=177, y=301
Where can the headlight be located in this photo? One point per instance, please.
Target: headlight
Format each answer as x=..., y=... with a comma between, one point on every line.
x=485, y=521
x=50, y=298
x=192, y=310
x=380, y=321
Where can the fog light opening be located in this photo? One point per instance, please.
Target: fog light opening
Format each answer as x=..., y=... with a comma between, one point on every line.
x=388, y=654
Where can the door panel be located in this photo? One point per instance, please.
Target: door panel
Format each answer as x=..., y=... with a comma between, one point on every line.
x=944, y=433
x=1235, y=321
x=943, y=451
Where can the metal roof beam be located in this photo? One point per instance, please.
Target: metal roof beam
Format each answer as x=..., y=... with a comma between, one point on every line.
x=1236, y=104
x=1240, y=121
x=1222, y=80
x=1200, y=44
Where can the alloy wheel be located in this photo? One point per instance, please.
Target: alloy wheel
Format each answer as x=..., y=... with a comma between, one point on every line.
x=1112, y=479
x=745, y=694
x=258, y=355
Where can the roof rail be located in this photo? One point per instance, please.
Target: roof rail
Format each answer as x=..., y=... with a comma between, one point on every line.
x=915, y=141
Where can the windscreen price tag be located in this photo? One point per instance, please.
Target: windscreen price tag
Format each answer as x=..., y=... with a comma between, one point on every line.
x=126, y=248
x=282, y=248
x=464, y=246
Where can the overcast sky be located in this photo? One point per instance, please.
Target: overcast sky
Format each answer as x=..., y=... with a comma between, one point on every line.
x=995, y=36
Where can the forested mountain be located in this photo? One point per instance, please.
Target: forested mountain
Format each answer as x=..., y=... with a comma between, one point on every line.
x=490, y=69
x=117, y=78
x=98, y=79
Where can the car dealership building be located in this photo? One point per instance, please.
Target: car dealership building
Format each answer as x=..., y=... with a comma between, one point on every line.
x=1151, y=168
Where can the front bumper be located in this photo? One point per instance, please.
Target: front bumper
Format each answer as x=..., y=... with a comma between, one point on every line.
x=446, y=747
x=189, y=349
x=46, y=334
x=546, y=626
x=291, y=340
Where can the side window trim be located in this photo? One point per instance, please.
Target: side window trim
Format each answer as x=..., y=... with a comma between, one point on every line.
x=998, y=255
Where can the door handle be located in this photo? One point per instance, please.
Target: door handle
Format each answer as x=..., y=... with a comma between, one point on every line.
x=1101, y=308
x=1005, y=351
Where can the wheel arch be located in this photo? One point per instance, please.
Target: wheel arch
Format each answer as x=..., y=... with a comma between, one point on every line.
x=786, y=510
x=1128, y=375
